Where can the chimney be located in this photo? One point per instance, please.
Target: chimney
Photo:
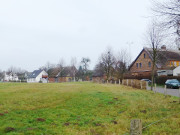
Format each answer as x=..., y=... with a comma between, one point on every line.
x=163, y=47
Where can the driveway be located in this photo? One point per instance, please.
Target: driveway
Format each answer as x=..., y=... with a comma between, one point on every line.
x=172, y=92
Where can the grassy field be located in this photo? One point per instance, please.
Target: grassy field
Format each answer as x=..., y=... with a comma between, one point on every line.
x=83, y=108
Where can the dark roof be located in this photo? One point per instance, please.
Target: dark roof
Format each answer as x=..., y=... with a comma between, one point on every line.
x=53, y=72
x=163, y=56
x=65, y=72
x=35, y=73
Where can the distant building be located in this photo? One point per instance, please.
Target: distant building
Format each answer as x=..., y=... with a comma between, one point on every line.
x=38, y=76
x=142, y=65
x=64, y=75
x=10, y=77
x=99, y=77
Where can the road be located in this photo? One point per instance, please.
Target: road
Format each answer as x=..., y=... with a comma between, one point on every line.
x=172, y=92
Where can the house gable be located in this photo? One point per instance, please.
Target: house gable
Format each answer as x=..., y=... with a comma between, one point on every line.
x=37, y=76
x=143, y=62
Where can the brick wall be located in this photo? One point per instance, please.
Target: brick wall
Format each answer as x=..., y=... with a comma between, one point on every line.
x=65, y=79
x=144, y=65
x=51, y=80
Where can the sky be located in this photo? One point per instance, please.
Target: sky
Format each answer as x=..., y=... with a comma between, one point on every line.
x=34, y=32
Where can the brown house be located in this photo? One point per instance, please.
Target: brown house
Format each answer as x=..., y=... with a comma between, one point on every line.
x=142, y=65
x=64, y=75
x=98, y=77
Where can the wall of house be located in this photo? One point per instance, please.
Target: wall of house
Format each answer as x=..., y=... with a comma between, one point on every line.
x=39, y=77
x=61, y=79
x=144, y=64
x=165, y=72
x=31, y=80
x=65, y=79
x=174, y=63
x=52, y=80
x=10, y=77
x=176, y=71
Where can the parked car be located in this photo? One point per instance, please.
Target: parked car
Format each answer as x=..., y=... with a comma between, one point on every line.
x=147, y=80
x=172, y=83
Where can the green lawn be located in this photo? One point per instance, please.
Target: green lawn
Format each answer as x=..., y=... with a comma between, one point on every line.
x=83, y=108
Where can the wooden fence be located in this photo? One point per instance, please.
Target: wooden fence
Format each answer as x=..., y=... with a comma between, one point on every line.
x=135, y=83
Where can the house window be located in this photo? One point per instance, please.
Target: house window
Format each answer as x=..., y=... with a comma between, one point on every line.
x=144, y=55
x=140, y=65
x=149, y=64
x=137, y=65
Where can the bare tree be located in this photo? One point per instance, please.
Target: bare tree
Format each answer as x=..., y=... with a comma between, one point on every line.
x=61, y=64
x=169, y=14
x=154, y=40
x=1, y=75
x=121, y=65
x=107, y=62
x=47, y=66
x=13, y=69
x=99, y=69
x=73, y=67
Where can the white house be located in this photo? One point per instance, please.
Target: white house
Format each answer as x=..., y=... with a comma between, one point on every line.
x=38, y=76
x=165, y=72
x=176, y=71
x=10, y=77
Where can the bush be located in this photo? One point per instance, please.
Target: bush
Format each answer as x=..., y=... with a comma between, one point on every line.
x=40, y=82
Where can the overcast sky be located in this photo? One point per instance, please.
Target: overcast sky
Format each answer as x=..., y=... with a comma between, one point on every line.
x=33, y=32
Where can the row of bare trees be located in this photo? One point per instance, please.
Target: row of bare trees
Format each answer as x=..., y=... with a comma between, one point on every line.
x=113, y=66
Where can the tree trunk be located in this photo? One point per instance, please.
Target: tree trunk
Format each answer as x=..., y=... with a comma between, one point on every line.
x=152, y=76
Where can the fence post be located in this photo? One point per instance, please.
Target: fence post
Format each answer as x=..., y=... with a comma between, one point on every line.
x=136, y=127
x=115, y=82
x=107, y=81
x=127, y=82
x=132, y=83
x=119, y=81
x=155, y=88
x=141, y=84
x=165, y=91
x=147, y=85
